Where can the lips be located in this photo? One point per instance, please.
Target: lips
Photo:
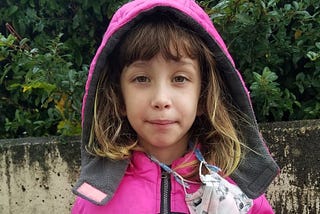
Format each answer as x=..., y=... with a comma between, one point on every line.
x=162, y=122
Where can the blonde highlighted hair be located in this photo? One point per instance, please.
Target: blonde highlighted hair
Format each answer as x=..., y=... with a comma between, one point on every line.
x=215, y=129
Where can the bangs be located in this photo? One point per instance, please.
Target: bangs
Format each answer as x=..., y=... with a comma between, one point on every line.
x=158, y=36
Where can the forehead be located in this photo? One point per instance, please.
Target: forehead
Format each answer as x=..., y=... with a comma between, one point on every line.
x=182, y=62
x=164, y=37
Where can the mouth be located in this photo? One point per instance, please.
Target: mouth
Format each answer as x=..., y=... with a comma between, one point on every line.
x=161, y=122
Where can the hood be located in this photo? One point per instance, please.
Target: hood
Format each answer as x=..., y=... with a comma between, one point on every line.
x=100, y=177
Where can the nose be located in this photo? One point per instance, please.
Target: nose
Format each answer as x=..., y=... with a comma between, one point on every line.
x=161, y=98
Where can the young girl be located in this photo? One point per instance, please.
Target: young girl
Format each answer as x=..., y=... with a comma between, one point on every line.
x=168, y=125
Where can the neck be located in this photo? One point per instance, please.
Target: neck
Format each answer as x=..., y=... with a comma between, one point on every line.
x=166, y=155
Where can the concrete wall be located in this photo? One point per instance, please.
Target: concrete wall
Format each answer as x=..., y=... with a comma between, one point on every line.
x=36, y=174
x=296, y=148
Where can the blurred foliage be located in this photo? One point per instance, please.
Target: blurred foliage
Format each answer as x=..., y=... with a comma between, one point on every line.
x=82, y=22
x=276, y=45
x=46, y=47
x=40, y=90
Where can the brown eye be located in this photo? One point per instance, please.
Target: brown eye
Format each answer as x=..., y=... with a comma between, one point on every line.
x=180, y=79
x=141, y=79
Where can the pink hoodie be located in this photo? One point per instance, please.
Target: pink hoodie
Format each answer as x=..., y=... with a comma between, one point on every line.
x=139, y=191
x=103, y=183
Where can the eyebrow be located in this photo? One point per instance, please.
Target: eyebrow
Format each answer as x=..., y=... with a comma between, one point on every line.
x=186, y=61
x=139, y=63
x=183, y=61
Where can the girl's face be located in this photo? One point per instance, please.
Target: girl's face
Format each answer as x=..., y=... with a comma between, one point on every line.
x=161, y=102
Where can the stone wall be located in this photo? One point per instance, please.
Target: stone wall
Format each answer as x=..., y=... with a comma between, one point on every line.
x=36, y=174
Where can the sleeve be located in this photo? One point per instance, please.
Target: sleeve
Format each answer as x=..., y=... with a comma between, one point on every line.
x=261, y=206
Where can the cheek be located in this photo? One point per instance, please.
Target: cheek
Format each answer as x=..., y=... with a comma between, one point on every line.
x=190, y=105
x=133, y=104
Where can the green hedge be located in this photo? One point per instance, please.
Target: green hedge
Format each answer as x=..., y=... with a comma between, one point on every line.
x=276, y=45
x=43, y=73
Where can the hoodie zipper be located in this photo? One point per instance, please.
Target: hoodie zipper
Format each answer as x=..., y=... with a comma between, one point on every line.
x=165, y=206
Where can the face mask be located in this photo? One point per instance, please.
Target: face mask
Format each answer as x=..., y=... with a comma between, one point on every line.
x=216, y=195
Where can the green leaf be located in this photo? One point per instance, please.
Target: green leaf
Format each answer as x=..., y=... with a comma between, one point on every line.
x=313, y=56
x=39, y=85
x=7, y=42
x=11, y=10
x=256, y=76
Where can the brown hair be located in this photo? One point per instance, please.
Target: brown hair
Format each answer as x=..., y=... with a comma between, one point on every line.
x=214, y=129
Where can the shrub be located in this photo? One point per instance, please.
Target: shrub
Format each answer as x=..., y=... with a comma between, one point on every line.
x=40, y=89
x=275, y=42
x=82, y=22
